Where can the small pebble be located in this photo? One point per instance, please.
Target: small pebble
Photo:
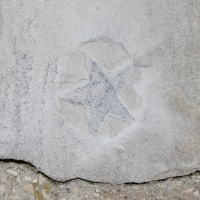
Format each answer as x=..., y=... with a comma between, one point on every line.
x=73, y=197
x=178, y=184
x=189, y=191
x=18, y=179
x=28, y=188
x=96, y=194
x=68, y=189
x=26, y=178
x=196, y=194
x=3, y=180
x=11, y=172
x=97, y=191
x=14, y=198
x=75, y=190
x=42, y=180
x=2, y=189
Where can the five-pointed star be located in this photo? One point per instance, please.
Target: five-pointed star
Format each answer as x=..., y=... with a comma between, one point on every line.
x=99, y=96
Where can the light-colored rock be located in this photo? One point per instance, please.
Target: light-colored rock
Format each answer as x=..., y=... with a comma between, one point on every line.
x=35, y=181
x=28, y=188
x=42, y=180
x=106, y=91
x=2, y=189
x=74, y=197
x=96, y=194
x=75, y=190
x=14, y=198
x=27, y=178
x=97, y=190
x=196, y=194
x=18, y=179
x=178, y=184
x=11, y=172
x=13, y=190
x=190, y=190
x=45, y=195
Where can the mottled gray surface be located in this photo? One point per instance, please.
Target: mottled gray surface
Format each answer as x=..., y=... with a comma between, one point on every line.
x=106, y=91
x=99, y=97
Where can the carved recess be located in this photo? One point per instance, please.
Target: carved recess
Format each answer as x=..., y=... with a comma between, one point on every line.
x=96, y=94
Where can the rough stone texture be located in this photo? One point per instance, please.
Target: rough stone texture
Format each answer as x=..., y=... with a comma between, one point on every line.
x=30, y=185
x=107, y=91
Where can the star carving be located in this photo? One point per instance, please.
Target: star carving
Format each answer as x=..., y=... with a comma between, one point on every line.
x=99, y=95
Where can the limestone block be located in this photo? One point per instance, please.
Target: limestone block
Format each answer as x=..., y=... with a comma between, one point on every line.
x=107, y=91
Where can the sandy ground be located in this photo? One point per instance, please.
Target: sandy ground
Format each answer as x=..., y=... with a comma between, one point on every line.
x=19, y=181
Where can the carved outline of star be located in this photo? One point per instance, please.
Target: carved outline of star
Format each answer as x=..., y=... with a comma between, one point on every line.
x=99, y=96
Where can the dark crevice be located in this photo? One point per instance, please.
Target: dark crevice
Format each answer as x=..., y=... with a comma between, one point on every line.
x=34, y=168
x=21, y=162
x=164, y=179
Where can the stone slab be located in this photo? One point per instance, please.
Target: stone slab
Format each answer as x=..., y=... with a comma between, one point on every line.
x=107, y=91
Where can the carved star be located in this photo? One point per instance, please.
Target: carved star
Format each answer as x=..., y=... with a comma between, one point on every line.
x=99, y=96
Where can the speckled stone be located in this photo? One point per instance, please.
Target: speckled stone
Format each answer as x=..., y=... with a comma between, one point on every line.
x=106, y=91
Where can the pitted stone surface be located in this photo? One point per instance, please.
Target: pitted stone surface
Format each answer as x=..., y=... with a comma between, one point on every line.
x=99, y=96
x=106, y=91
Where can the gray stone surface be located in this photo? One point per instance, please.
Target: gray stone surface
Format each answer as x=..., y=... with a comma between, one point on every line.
x=107, y=91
